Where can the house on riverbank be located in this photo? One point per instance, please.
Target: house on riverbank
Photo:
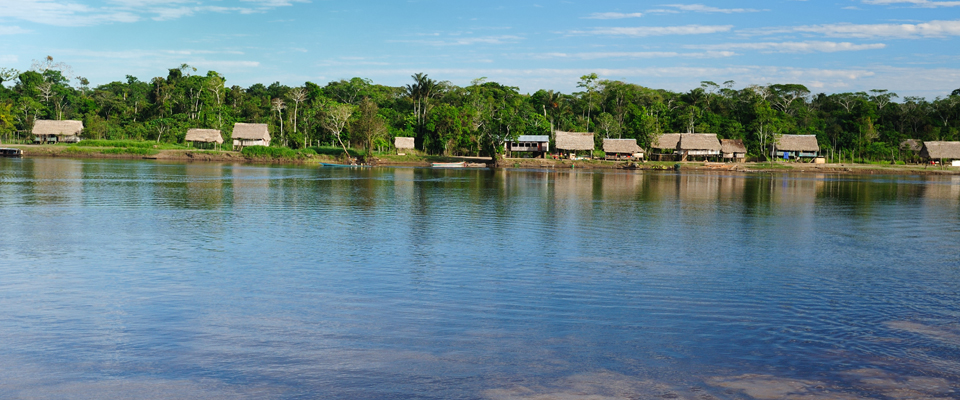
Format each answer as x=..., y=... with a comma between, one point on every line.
x=572, y=142
x=797, y=147
x=622, y=149
x=539, y=145
x=48, y=131
x=665, y=146
x=699, y=145
x=403, y=144
x=942, y=151
x=250, y=135
x=733, y=150
x=204, y=136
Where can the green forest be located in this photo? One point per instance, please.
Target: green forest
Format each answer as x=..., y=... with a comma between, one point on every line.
x=452, y=120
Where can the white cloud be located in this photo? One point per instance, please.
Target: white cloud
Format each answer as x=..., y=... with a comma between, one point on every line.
x=614, y=15
x=917, y=3
x=639, y=54
x=701, y=9
x=464, y=41
x=12, y=30
x=902, y=31
x=643, y=31
x=57, y=13
x=72, y=14
x=792, y=47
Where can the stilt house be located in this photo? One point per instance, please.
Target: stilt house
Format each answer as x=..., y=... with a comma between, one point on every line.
x=539, y=145
x=47, y=131
x=245, y=135
x=942, y=151
x=699, y=145
x=622, y=149
x=572, y=142
x=204, y=136
x=733, y=150
x=797, y=147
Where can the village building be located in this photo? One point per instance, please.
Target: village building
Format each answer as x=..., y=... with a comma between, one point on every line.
x=620, y=149
x=571, y=142
x=910, y=150
x=699, y=145
x=539, y=145
x=665, y=146
x=733, y=150
x=943, y=152
x=250, y=135
x=48, y=131
x=204, y=136
x=404, y=143
x=797, y=147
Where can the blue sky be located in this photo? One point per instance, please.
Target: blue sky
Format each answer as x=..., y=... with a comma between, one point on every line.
x=911, y=47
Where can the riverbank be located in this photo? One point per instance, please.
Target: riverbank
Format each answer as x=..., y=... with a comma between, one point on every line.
x=191, y=155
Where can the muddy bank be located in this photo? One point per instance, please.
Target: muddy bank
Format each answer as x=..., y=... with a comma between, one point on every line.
x=523, y=163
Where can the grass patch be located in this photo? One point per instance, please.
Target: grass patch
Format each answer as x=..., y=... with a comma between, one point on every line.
x=277, y=152
x=769, y=165
x=129, y=144
x=334, y=151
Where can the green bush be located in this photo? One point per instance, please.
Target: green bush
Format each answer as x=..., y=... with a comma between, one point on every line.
x=276, y=152
x=334, y=151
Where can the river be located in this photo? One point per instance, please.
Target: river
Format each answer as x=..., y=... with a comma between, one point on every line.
x=141, y=279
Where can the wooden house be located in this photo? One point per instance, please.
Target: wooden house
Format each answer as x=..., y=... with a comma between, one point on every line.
x=699, y=145
x=797, y=147
x=204, y=136
x=733, y=150
x=942, y=151
x=665, y=146
x=403, y=144
x=250, y=135
x=539, y=145
x=48, y=131
x=620, y=149
x=572, y=142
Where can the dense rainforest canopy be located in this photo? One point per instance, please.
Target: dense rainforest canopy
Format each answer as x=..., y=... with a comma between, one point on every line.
x=476, y=119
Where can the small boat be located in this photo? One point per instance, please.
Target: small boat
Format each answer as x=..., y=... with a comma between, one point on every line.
x=323, y=164
x=10, y=152
x=449, y=165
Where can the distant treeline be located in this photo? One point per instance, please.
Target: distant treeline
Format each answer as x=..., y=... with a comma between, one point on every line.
x=475, y=119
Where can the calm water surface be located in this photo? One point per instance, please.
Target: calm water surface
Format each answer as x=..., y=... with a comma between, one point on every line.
x=124, y=279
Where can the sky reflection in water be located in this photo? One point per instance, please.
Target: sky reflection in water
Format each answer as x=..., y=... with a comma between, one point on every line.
x=226, y=281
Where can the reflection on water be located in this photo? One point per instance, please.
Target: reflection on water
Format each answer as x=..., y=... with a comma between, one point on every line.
x=227, y=281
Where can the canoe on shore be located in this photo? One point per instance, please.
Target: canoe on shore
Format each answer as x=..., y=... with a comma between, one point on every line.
x=342, y=165
x=450, y=165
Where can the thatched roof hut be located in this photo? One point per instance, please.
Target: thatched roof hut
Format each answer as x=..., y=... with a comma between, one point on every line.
x=621, y=146
x=204, y=136
x=666, y=141
x=801, y=143
x=699, y=141
x=251, y=132
x=941, y=150
x=913, y=145
x=404, y=143
x=57, y=128
x=731, y=146
x=574, y=140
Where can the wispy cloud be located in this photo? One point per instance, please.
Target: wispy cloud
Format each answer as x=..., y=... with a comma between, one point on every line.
x=74, y=14
x=63, y=13
x=643, y=31
x=12, y=30
x=700, y=8
x=915, y=3
x=613, y=15
x=845, y=30
x=637, y=54
x=464, y=41
x=792, y=47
